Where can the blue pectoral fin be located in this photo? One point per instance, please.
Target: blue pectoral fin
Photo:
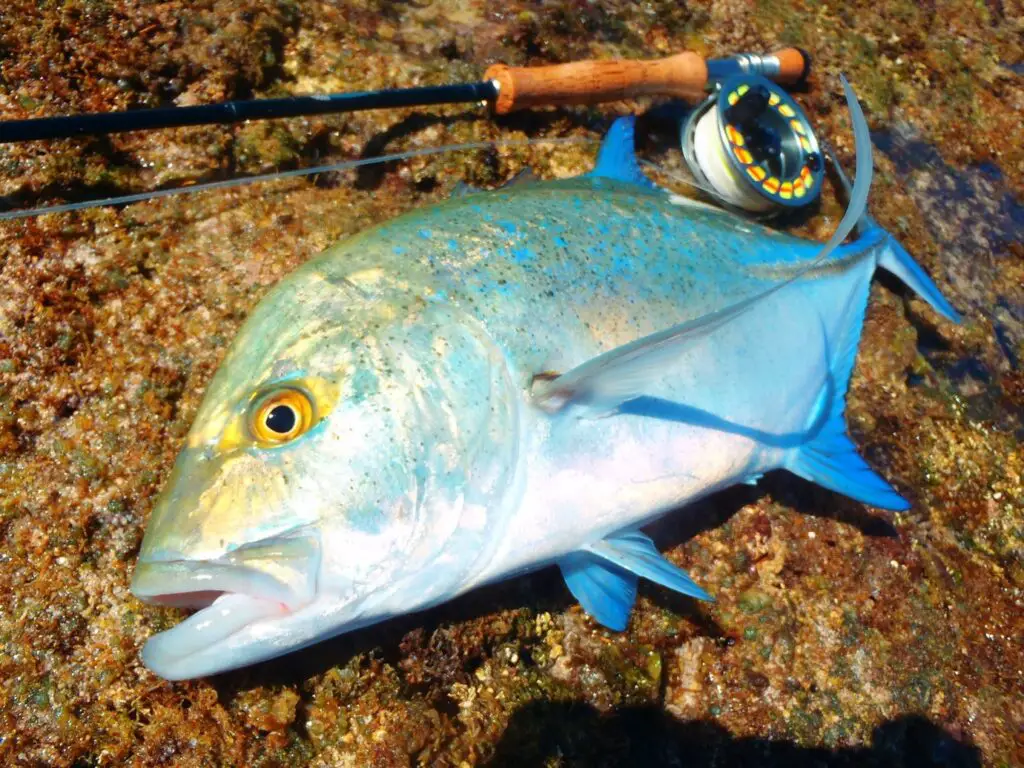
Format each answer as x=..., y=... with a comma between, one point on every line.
x=617, y=158
x=634, y=552
x=832, y=461
x=603, y=576
x=607, y=593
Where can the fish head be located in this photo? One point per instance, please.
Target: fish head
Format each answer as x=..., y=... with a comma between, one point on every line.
x=343, y=467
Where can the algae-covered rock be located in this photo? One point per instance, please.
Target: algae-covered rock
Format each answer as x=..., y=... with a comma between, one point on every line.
x=839, y=636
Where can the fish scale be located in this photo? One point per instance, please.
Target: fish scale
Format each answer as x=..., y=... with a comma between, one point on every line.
x=505, y=381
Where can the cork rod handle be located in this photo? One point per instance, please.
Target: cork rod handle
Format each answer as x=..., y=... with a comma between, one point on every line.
x=592, y=82
x=684, y=75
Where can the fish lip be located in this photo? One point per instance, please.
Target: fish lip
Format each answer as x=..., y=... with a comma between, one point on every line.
x=207, y=641
x=172, y=582
x=234, y=593
x=279, y=568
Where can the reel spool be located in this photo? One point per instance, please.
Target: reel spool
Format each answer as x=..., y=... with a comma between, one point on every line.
x=752, y=148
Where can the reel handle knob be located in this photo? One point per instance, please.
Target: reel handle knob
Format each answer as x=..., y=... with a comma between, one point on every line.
x=683, y=75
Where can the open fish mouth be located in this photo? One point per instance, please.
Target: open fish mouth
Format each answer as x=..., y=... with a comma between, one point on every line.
x=258, y=583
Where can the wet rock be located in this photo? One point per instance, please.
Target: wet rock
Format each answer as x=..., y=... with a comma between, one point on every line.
x=838, y=637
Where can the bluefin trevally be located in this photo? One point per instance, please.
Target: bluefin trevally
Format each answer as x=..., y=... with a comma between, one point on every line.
x=504, y=381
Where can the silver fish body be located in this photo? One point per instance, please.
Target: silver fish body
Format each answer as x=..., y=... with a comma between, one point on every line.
x=443, y=451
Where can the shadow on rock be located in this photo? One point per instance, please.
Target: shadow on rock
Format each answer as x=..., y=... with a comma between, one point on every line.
x=576, y=734
x=976, y=221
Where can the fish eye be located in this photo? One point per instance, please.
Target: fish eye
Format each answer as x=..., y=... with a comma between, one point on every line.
x=280, y=416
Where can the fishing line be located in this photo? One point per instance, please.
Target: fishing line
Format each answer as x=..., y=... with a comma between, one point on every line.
x=711, y=157
x=679, y=179
x=140, y=197
x=754, y=146
x=856, y=207
x=277, y=175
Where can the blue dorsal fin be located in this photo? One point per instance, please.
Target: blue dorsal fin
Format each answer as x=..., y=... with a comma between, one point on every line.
x=617, y=158
x=606, y=593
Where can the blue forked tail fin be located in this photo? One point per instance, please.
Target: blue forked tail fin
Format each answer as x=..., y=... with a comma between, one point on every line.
x=892, y=256
x=895, y=259
x=832, y=461
x=830, y=458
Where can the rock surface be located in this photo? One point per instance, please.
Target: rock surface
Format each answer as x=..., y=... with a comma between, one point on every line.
x=839, y=636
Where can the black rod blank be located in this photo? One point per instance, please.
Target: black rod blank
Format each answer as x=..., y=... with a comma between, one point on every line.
x=237, y=111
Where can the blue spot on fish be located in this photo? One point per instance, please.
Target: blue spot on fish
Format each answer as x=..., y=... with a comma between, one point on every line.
x=399, y=250
x=426, y=234
x=622, y=265
x=367, y=519
x=519, y=255
x=364, y=383
x=560, y=242
x=508, y=226
x=453, y=245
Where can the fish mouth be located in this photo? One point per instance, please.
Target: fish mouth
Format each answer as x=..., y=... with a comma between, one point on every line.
x=253, y=585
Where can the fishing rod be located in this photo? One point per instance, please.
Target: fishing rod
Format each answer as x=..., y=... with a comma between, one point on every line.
x=504, y=88
x=748, y=145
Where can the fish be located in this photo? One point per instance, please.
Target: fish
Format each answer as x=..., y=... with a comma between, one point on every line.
x=508, y=380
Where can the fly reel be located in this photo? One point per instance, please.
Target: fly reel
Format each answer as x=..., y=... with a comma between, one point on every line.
x=752, y=148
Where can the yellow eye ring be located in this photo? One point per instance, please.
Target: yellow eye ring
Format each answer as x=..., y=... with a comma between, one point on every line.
x=281, y=416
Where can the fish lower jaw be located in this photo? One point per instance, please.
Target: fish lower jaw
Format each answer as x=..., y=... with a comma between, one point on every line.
x=202, y=643
x=237, y=607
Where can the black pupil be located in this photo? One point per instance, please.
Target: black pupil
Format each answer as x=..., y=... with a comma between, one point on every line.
x=281, y=419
